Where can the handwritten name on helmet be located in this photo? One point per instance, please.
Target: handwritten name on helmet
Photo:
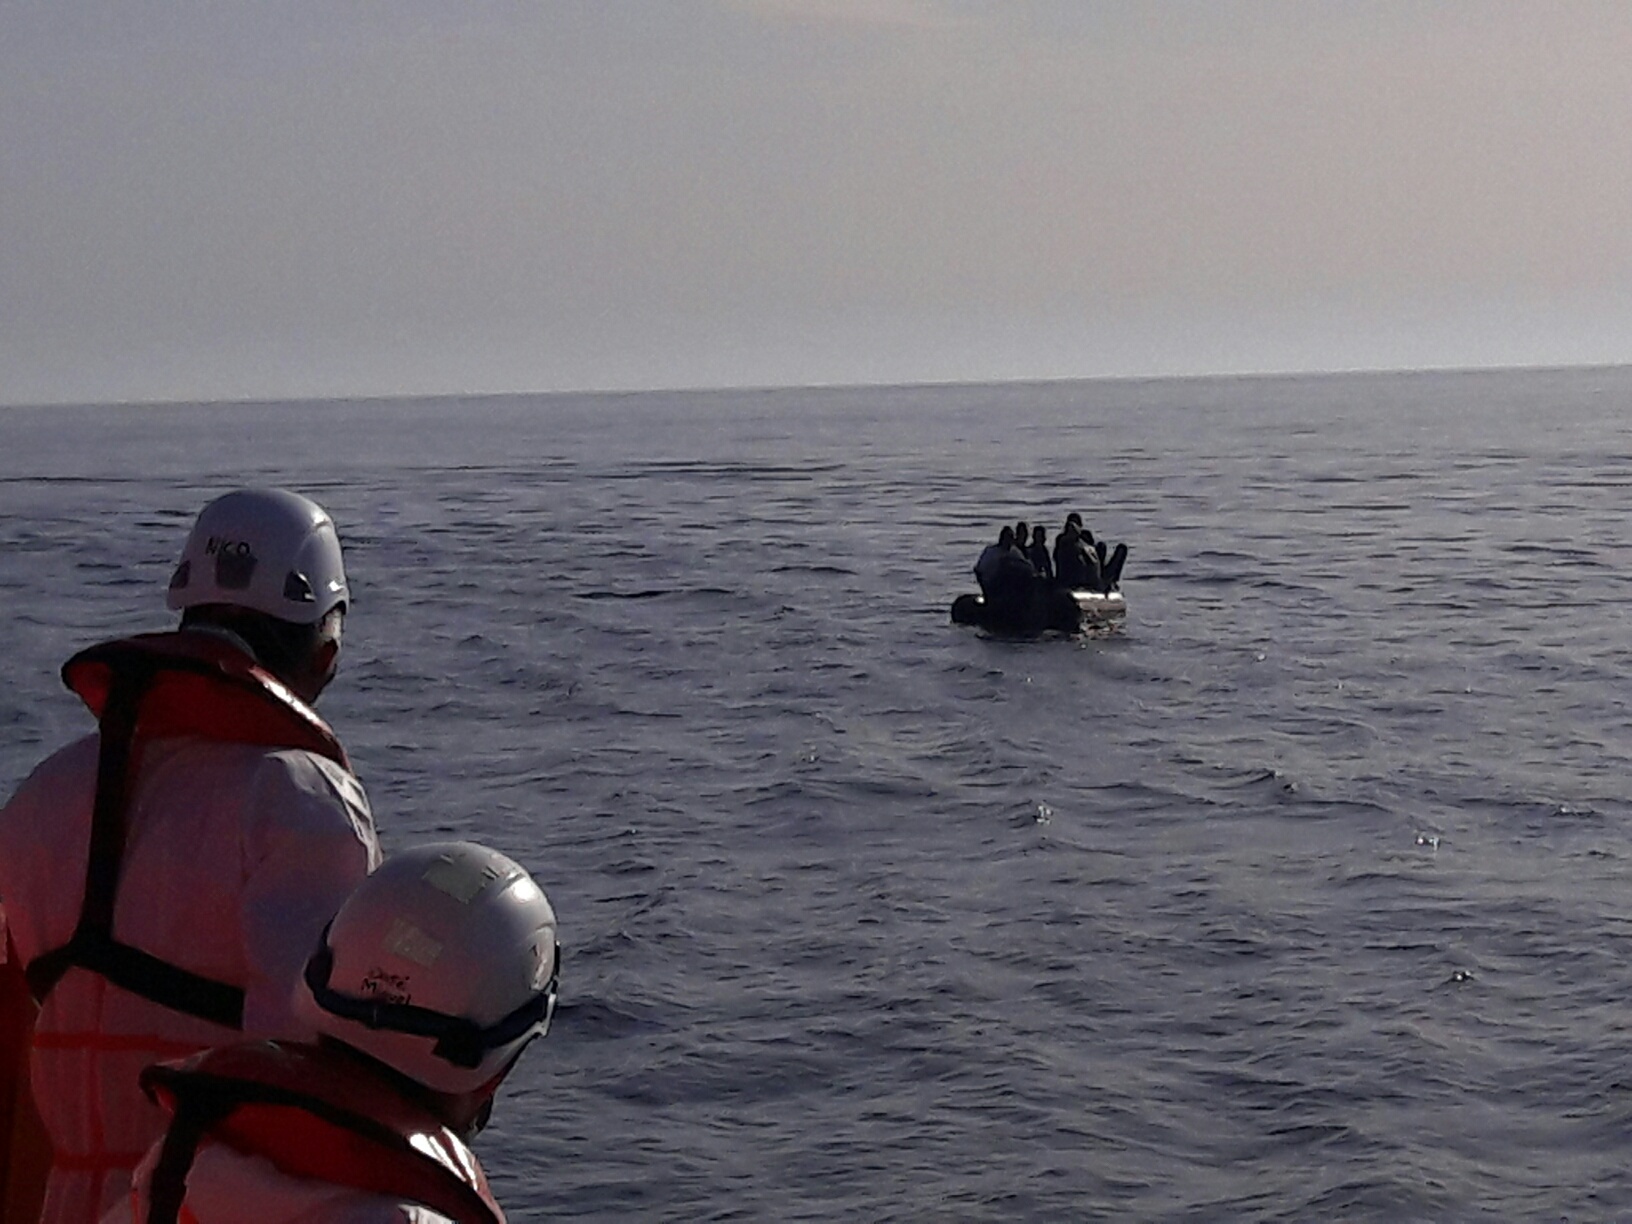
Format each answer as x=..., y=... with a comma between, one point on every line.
x=222, y=544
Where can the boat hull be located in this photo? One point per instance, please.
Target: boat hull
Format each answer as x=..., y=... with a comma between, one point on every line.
x=1062, y=611
x=1096, y=606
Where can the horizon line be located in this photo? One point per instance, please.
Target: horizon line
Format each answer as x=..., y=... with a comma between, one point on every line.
x=250, y=401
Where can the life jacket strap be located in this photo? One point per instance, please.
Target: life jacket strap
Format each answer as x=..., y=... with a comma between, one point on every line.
x=93, y=946
x=317, y=1117
x=141, y=974
x=167, y=1187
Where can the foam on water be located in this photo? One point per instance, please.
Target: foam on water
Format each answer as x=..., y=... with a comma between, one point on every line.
x=1300, y=897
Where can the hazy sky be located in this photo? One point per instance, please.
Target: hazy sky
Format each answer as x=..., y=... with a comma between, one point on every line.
x=225, y=199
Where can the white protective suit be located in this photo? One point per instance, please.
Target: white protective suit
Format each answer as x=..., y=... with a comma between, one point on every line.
x=223, y=1184
x=236, y=856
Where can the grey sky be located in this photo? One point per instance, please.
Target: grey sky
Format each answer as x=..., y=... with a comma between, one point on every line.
x=322, y=197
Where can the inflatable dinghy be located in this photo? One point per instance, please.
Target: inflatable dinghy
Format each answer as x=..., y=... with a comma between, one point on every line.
x=1039, y=605
x=1062, y=611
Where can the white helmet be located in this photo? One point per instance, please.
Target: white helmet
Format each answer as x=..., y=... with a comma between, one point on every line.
x=442, y=965
x=265, y=549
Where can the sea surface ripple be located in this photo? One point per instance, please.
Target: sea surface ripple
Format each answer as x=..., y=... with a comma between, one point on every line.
x=1301, y=897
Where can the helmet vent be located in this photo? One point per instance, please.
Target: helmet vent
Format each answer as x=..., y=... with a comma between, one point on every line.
x=297, y=588
x=179, y=579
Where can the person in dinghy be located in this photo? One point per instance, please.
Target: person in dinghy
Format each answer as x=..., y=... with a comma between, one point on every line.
x=1014, y=598
x=1100, y=570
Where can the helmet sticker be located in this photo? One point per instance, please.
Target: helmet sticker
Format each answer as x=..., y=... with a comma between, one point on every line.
x=461, y=879
x=406, y=940
x=234, y=562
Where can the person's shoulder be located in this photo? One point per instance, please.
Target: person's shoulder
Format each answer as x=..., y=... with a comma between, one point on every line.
x=72, y=764
x=374, y=1210
x=71, y=757
x=292, y=786
x=363, y=1207
x=313, y=771
x=224, y=1180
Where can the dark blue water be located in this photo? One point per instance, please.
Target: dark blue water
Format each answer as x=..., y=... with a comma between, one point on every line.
x=1303, y=897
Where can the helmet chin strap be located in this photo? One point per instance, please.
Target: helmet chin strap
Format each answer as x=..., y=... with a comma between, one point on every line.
x=459, y=1041
x=315, y=672
x=313, y=669
x=221, y=631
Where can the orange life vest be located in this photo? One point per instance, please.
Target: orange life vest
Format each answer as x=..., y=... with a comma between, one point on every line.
x=314, y=1113
x=153, y=686
x=194, y=683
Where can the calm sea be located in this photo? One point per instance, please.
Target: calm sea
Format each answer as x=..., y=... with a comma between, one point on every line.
x=1306, y=896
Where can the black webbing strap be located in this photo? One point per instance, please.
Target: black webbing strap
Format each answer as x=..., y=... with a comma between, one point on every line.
x=167, y=1187
x=394, y=1162
x=93, y=946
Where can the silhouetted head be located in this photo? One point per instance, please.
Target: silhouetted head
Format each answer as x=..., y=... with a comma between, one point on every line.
x=1039, y=535
x=1006, y=536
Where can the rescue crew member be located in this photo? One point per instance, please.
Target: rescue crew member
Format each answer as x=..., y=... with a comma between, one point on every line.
x=436, y=974
x=165, y=878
